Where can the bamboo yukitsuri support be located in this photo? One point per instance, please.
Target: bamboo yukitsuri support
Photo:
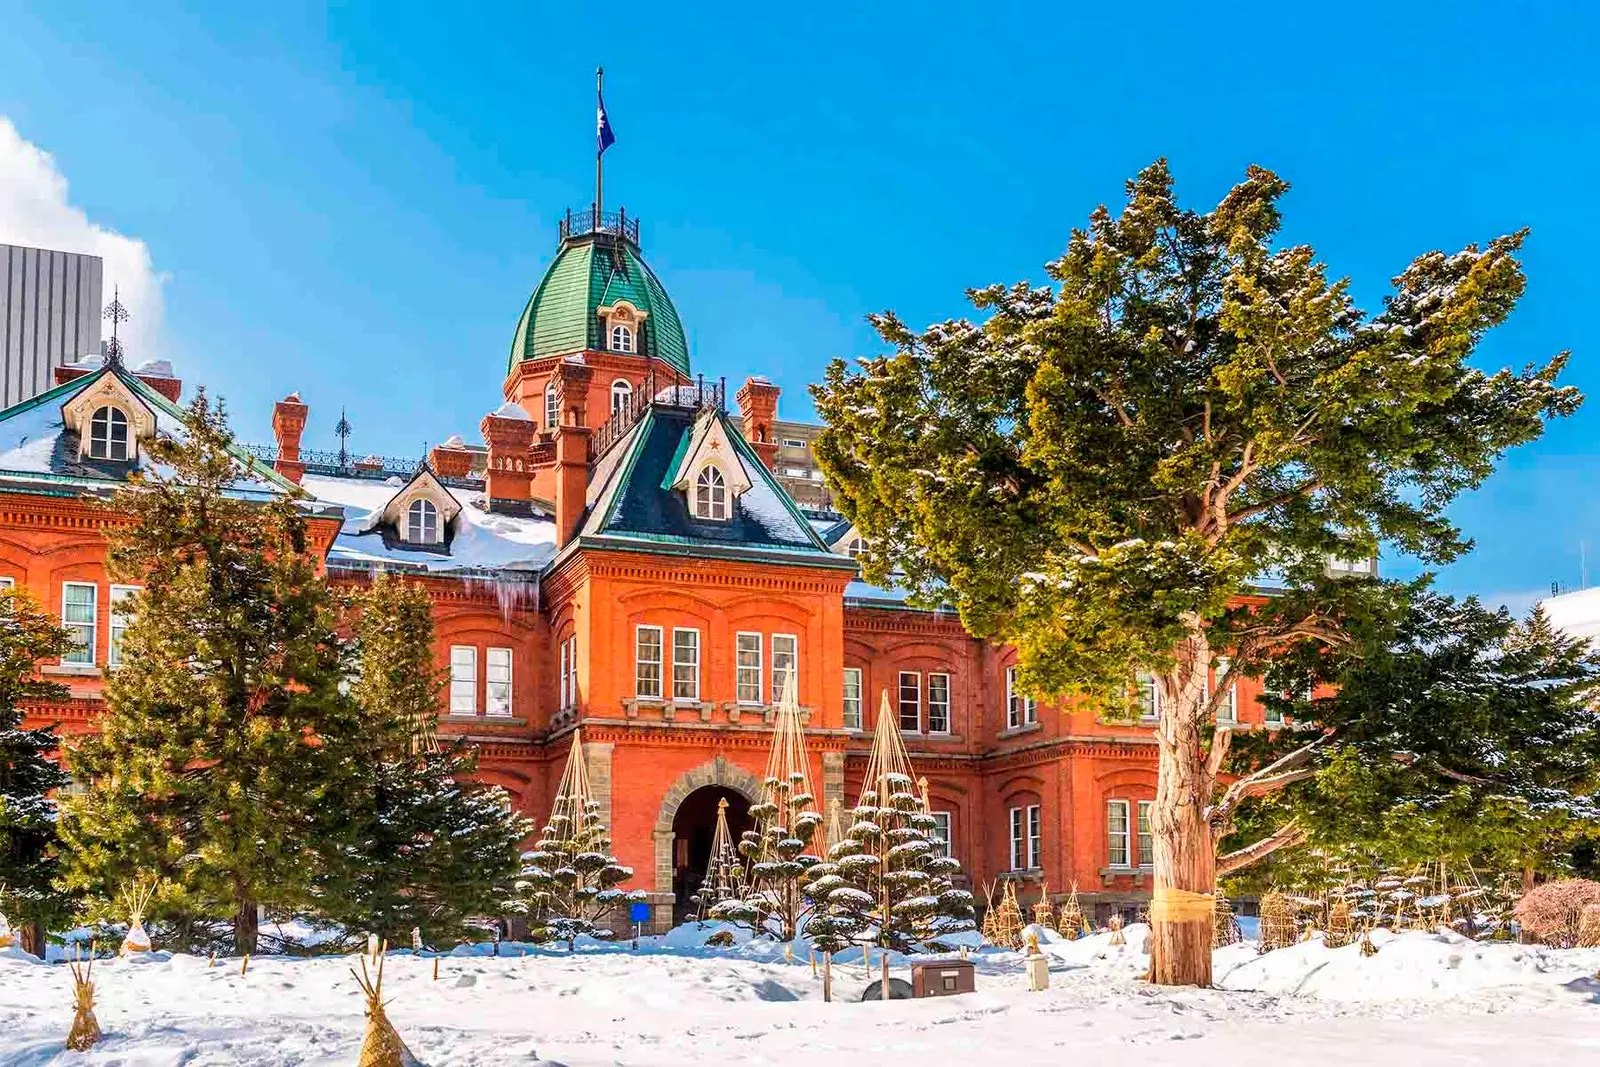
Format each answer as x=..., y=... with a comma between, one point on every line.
x=827, y=977
x=85, y=1027
x=381, y=1047
x=1043, y=912
x=136, y=898
x=1277, y=922
x=724, y=870
x=781, y=846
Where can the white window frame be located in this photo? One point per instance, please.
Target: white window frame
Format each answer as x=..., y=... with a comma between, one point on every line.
x=552, y=407
x=711, y=494
x=1228, y=711
x=933, y=723
x=622, y=338
x=692, y=665
x=916, y=701
x=793, y=442
x=1026, y=839
x=855, y=547
x=747, y=676
x=941, y=833
x=1144, y=837
x=1035, y=837
x=8, y=583
x=852, y=704
x=1119, y=810
x=497, y=692
x=109, y=441
x=463, y=679
x=571, y=681
x=82, y=654
x=1145, y=682
x=1020, y=710
x=785, y=648
x=641, y=682
x=120, y=621
x=621, y=393
x=423, y=522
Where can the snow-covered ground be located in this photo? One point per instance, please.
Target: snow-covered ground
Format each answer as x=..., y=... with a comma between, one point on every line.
x=1423, y=1000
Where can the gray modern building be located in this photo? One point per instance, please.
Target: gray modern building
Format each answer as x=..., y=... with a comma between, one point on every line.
x=50, y=304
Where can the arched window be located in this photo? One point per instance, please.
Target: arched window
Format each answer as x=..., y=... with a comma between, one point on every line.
x=422, y=523
x=621, y=338
x=108, y=434
x=621, y=393
x=710, y=494
x=552, y=407
x=855, y=547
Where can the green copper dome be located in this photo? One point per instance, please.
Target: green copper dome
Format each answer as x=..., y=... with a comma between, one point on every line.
x=590, y=272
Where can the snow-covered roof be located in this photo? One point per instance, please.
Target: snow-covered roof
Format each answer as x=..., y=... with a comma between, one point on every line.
x=37, y=445
x=484, y=540
x=1576, y=613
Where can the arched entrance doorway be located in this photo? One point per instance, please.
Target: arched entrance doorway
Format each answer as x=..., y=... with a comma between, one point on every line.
x=692, y=829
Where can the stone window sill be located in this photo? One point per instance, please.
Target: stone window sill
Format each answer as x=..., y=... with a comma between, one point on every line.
x=490, y=720
x=1018, y=731
x=72, y=670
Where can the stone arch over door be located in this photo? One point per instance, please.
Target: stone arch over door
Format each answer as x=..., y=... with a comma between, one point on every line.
x=716, y=772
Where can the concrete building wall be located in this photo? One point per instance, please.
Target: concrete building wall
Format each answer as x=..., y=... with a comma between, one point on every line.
x=50, y=304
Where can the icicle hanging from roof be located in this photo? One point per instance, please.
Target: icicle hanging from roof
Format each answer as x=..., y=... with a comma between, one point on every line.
x=888, y=765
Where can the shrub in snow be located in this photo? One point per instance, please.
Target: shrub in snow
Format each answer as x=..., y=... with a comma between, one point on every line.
x=1553, y=913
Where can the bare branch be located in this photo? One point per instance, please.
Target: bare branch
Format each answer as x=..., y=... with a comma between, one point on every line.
x=1286, y=836
x=1303, y=489
x=1285, y=771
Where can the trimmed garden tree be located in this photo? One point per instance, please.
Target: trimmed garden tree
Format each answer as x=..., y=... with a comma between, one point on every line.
x=28, y=847
x=418, y=842
x=222, y=739
x=885, y=882
x=1103, y=471
x=570, y=878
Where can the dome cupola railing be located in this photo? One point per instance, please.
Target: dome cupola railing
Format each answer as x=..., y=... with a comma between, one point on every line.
x=587, y=220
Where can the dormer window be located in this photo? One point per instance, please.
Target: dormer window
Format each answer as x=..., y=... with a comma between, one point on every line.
x=710, y=494
x=108, y=433
x=855, y=548
x=422, y=523
x=622, y=338
x=621, y=393
x=552, y=407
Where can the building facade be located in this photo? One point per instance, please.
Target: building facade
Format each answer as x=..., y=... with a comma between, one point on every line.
x=49, y=316
x=622, y=554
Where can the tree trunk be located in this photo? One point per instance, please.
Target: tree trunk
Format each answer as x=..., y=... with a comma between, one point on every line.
x=246, y=923
x=1185, y=854
x=33, y=939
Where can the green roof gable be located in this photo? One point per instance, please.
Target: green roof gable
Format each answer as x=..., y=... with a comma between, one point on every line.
x=590, y=272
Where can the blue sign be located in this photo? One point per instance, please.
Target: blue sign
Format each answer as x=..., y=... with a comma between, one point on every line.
x=639, y=911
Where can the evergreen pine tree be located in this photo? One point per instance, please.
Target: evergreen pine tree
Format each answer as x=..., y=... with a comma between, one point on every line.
x=570, y=878
x=28, y=845
x=1103, y=471
x=223, y=733
x=885, y=883
x=776, y=849
x=419, y=843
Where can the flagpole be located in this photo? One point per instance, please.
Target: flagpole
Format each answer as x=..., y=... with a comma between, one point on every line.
x=600, y=154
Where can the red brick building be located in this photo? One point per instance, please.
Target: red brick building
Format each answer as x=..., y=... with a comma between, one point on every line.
x=618, y=554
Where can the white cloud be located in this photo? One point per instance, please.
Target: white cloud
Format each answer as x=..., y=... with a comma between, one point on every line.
x=35, y=210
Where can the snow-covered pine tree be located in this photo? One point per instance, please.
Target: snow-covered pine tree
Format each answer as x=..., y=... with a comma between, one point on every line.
x=1101, y=472
x=222, y=739
x=570, y=878
x=776, y=848
x=28, y=863
x=885, y=882
x=725, y=871
x=420, y=843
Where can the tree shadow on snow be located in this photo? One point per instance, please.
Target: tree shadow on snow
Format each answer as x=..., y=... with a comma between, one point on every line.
x=770, y=990
x=1586, y=986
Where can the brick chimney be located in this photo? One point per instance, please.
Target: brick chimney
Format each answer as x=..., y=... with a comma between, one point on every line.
x=571, y=380
x=452, y=459
x=288, y=423
x=508, y=431
x=758, y=405
x=156, y=373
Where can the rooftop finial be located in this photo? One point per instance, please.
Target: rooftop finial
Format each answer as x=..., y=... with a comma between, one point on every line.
x=116, y=312
x=343, y=432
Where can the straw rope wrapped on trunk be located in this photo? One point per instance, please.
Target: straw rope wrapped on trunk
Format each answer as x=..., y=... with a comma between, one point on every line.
x=382, y=1046
x=85, y=1027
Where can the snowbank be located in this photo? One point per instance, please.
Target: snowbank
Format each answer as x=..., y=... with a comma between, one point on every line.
x=1424, y=999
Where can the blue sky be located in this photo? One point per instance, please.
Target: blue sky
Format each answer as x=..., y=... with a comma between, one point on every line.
x=356, y=203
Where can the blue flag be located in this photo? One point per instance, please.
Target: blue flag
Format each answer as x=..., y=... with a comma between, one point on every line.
x=604, y=138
